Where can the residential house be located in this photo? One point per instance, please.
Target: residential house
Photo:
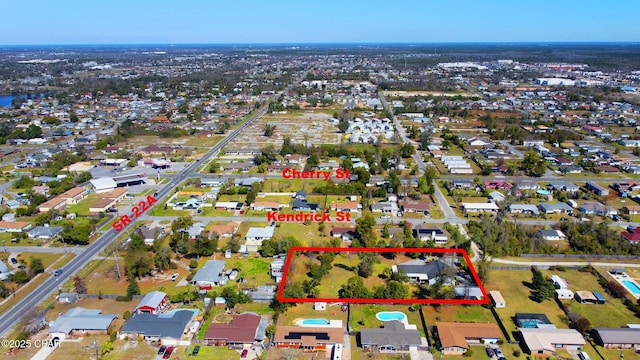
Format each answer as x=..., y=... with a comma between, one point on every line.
x=596, y=188
x=419, y=271
x=154, y=302
x=498, y=185
x=265, y=206
x=632, y=236
x=79, y=322
x=631, y=209
x=195, y=230
x=5, y=272
x=596, y=208
x=564, y=186
x=244, y=329
x=497, y=196
x=155, y=150
x=308, y=338
x=265, y=293
x=617, y=338
x=386, y=207
x=228, y=205
x=456, y=338
x=44, y=232
x=256, y=235
x=303, y=205
x=277, y=268
x=149, y=235
x=556, y=208
x=209, y=275
x=415, y=206
x=552, y=235
x=224, y=230
x=348, y=206
x=528, y=209
x=428, y=233
x=344, y=233
x=247, y=182
x=480, y=207
x=167, y=328
x=394, y=336
x=547, y=341
x=14, y=226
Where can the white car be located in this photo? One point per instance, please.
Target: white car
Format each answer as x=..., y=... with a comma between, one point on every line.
x=175, y=276
x=385, y=217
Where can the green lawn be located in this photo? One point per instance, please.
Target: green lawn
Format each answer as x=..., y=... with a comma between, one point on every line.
x=308, y=235
x=254, y=270
x=82, y=208
x=364, y=316
x=290, y=185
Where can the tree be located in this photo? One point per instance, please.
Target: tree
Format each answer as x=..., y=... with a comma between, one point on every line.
x=138, y=263
x=132, y=288
x=106, y=347
x=268, y=129
x=543, y=287
x=162, y=258
x=79, y=285
x=365, y=235
x=343, y=126
x=583, y=325
x=365, y=268
x=35, y=266
x=407, y=150
x=425, y=140
x=354, y=289
x=20, y=277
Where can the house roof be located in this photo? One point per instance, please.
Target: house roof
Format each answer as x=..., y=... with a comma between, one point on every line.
x=542, y=318
x=82, y=319
x=228, y=228
x=48, y=231
x=618, y=335
x=323, y=335
x=115, y=193
x=71, y=193
x=343, y=230
x=545, y=338
x=53, y=202
x=431, y=269
x=392, y=333
x=456, y=334
x=266, y=232
x=551, y=233
x=163, y=325
x=267, y=204
x=210, y=272
x=14, y=224
x=242, y=329
x=152, y=300
x=103, y=183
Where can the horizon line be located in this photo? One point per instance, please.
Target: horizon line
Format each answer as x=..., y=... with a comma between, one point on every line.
x=406, y=43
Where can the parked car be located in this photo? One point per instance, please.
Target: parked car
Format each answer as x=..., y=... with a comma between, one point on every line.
x=196, y=350
x=244, y=354
x=490, y=352
x=583, y=356
x=162, y=349
x=57, y=272
x=168, y=352
x=175, y=276
x=499, y=353
x=385, y=217
x=14, y=261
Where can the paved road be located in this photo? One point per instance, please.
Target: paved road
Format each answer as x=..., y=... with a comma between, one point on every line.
x=565, y=263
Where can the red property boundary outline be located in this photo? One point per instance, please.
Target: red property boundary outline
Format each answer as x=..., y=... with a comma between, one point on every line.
x=462, y=252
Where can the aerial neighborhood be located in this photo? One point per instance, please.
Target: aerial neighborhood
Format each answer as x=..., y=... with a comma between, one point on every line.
x=232, y=203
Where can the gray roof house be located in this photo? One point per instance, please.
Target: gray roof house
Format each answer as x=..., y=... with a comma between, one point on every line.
x=616, y=338
x=195, y=230
x=44, y=232
x=168, y=328
x=5, y=272
x=68, y=298
x=523, y=209
x=564, y=186
x=420, y=271
x=209, y=275
x=79, y=321
x=549, y=208
x=392, y=337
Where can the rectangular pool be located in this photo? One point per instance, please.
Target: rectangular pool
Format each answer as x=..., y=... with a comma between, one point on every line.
x=632, y=286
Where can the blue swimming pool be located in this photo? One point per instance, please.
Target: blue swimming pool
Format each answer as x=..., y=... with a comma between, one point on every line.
x=632, y=286
x=314, y=322
x=391, y=315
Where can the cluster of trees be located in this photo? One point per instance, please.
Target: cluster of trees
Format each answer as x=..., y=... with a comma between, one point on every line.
x=21, y=276
x=596, y=238
x=543, y=288
x=533, y=164
x=201, y=245
x=506, y=238
x=78, y=232
x=356, y=289
x=281, y=245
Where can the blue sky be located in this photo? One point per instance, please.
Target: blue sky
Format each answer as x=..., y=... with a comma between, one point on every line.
x=286, y=21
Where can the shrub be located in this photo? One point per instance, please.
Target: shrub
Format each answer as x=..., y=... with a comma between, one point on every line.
x=126, y=314
x=517, y=353
x=193, y=263
x=468, y=353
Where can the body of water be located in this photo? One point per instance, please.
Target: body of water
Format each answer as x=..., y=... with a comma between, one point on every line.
x=632, y=286
x=5, y=100
x=391, y=315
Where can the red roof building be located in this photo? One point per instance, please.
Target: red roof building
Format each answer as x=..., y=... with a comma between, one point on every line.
x=243, y=329
x=633, y=236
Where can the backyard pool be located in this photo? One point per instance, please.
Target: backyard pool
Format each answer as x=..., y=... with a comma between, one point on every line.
x=313, y=322
x=194, y=311
x=632, y=286
x=391, y=315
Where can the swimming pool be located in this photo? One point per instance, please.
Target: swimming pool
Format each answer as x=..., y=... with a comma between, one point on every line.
x=314, y=322
x=632, y=286
x=391, y=315
x=194, y=311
